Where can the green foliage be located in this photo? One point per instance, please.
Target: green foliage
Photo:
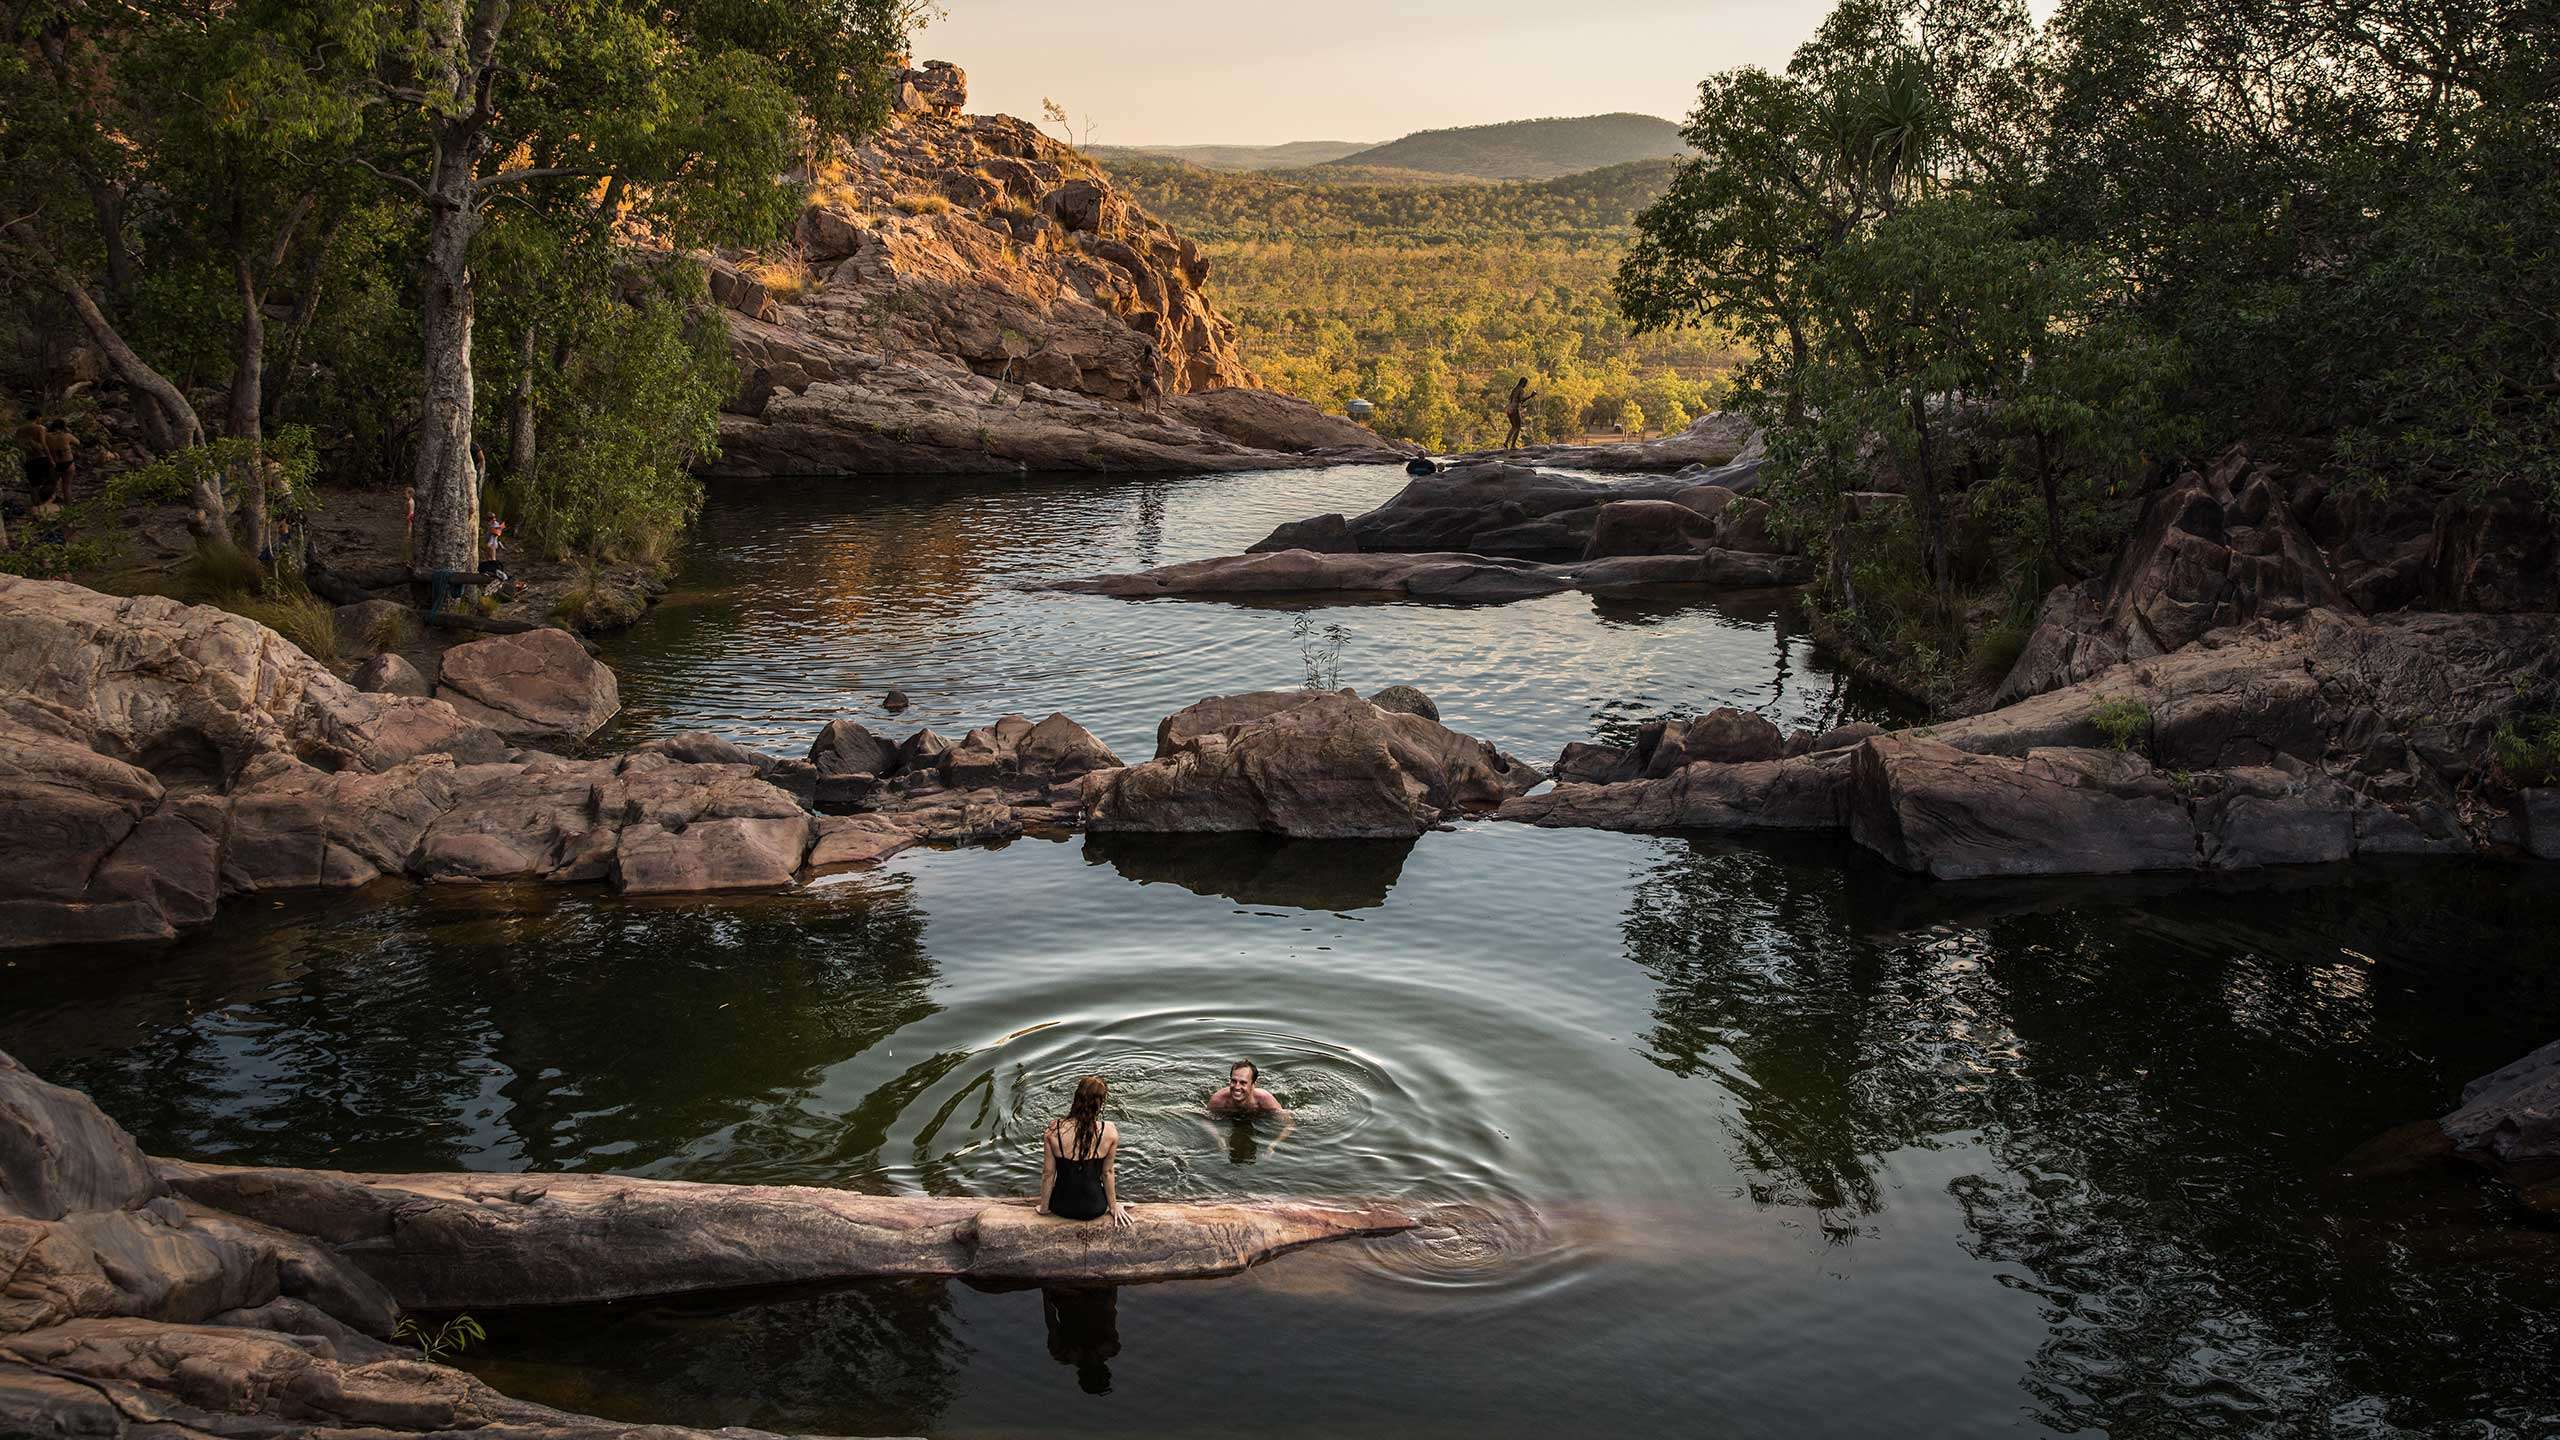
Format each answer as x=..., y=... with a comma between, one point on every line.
x=621, y=422
x=2122, y=720
x=1429, y=301
x=2528, y=750
x=436, y=1342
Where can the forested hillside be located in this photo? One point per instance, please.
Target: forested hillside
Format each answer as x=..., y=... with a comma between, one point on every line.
x=1527, y=149
x=1429, y=300
x=1235, y=157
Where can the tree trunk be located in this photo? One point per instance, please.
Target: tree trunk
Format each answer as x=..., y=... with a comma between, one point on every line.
x=248, y=387
x=2051, y=484
x=447, y=490
x=306, y=305
x=166, y=415
x=520, y=433
x=1924, y=497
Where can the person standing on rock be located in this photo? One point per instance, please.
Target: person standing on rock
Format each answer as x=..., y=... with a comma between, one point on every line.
x=62, y=448
x=35, y=460
x=1078, y=1152
x=1517, y=411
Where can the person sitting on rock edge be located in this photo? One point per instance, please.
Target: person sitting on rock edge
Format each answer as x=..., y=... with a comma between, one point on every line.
x=1078, y=1152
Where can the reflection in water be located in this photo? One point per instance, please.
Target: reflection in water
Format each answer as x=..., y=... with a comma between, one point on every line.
x=1084, y=1331
x=1332, y=875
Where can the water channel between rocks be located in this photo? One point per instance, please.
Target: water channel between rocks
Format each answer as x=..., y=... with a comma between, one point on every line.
x=1716, y=1138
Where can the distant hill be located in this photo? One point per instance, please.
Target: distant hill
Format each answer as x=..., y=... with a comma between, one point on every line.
x=1524, y=149
x=1245, y=158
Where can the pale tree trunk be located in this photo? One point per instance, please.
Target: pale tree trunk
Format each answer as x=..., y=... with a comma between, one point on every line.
x=446, y=488
x=248, y=383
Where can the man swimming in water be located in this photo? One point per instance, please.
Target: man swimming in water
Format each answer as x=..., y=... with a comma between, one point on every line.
x=1241, y=1095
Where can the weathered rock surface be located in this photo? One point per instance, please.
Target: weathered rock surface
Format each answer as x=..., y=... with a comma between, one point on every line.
x=540, y=686
x=2243, y=540
x=182, y=1300
x=1713, y=439
x=1311, y=764
x=2509, y=1123
x=2269, y=744
x=449, y=1242
x=389, y=674
x=976, y=297
x=1440, y=576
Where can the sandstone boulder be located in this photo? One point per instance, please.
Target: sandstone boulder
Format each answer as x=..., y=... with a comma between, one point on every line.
x=1929, y=807
x=538, y=686
x=1647, y=527
x=389, y=674
x=2509, y=1123
x=1404, y=699
x=1310, y=764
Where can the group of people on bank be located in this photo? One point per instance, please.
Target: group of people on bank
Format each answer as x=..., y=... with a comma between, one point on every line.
x=1078, y=1150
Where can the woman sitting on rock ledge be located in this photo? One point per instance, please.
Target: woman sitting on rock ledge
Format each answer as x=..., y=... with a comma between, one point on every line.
x=1077, y=1152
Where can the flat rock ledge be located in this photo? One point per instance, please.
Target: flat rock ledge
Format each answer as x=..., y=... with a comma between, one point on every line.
x=1443, y=575
x=2273, y=743
x=2509, y=1124
x=181, y=1300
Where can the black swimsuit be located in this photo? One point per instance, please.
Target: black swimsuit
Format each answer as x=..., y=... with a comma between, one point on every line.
x=1078, y=1194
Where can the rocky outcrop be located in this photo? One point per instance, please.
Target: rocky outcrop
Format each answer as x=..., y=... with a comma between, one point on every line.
x=195, y=1301
x=1310, y=764
x=273, y=775
x=2269, y=744
x=475, y=1241
x=965, y=295
x=2509, y=1124
x=1442, y=576
x=1712, y=440
x=1491, y=507
x=536, y=687
x=2243, y=540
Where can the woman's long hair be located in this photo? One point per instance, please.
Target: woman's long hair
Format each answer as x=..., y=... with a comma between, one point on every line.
x=1084, y=1117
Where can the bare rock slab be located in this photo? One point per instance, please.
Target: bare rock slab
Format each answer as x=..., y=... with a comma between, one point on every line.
x=466, y=1241
x=535, y=686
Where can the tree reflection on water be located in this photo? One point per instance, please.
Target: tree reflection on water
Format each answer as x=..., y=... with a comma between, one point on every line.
x=2160, y=1080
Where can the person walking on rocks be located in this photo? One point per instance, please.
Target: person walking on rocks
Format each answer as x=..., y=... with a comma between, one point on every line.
x=1517, y=411
x=35, y=460
x=62, y=449
x=1077, y=1155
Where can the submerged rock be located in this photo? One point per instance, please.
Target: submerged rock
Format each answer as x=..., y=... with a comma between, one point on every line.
x=2509, y=1123
x=1441, y=575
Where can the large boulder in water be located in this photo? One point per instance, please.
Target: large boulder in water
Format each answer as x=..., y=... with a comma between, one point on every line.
x=2509, y=1122
x=1313, y=764
x=538, y=685
x=1944, y=812
x=1647, y=527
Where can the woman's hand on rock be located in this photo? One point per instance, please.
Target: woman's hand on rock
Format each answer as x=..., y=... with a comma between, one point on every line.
x=1121, y=1217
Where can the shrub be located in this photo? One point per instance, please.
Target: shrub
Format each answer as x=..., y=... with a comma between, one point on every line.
x=2528, y=750
x=389, y=630
x=924, y=204
x=217, y=572
x=2121, y=719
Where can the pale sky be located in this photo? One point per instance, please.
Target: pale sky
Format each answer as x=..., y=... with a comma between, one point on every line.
x=1161, y=74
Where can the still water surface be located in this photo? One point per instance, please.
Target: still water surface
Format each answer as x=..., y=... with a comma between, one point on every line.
x=1723, y=1139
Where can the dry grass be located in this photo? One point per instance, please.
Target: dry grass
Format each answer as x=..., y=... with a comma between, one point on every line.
x=833, y=189
x=786, y=277
x=304, y=619
x=389, y=630
x=924, y=204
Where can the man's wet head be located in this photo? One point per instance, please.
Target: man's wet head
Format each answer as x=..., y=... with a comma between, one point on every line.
x=1240, y=1078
